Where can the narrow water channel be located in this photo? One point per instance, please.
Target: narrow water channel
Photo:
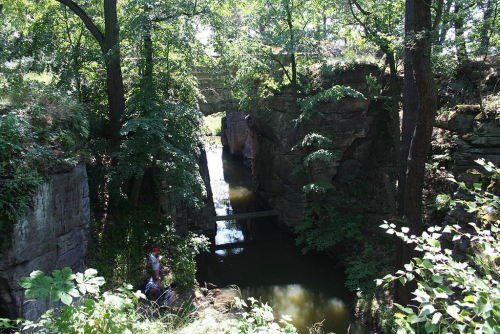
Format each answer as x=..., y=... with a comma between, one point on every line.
x=264, y=262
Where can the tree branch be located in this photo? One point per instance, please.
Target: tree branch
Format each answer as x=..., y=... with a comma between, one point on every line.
x=284, y=69
x=367, y=30
x=98, y=35
x=177, y=15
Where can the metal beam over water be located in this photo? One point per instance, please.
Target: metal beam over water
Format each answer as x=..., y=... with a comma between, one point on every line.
x=257, y=214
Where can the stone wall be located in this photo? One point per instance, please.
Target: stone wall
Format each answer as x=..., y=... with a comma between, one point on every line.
x=53, y=234
x=471, y=136
x=351, y=123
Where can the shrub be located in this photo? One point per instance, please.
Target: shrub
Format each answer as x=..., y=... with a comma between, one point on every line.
x=85, y=309
x=454, y=295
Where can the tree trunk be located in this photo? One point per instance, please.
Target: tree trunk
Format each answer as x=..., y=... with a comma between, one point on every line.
x=110, y=47
x=420, y=103
x=116, y=92
x=462, y=56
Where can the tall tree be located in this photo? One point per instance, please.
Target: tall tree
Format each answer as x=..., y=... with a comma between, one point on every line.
x=109, y=44
x=419, y=105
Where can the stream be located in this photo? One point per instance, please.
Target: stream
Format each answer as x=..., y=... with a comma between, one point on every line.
x=263, y=261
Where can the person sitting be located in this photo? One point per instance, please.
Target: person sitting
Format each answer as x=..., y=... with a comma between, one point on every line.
x=153, y=288
x=163, y=296
x=167, y=295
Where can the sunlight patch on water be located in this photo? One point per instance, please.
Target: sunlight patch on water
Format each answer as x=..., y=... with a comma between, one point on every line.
x=227, y=234
x=227, y=252
x=239, y=194
x=302, y=304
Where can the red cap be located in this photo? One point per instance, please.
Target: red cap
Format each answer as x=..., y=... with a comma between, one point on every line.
x=156, y=250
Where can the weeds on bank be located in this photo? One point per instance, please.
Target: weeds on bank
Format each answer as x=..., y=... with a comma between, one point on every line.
x=79, y=306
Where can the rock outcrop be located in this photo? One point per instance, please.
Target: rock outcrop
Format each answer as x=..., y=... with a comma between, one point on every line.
x=235, y=134
x=53, y=234
x=471, y=136
x=273, y=136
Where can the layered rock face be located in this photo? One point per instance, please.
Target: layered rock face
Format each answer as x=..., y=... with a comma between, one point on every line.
x=472, y=136
x=273, y=135
x=53, y=234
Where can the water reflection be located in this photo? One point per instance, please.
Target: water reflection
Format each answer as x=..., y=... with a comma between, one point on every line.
x=239, y=193
x=264, y=262
x=304, y=305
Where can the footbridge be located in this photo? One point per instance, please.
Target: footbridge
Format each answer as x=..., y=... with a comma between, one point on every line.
x=249, y=215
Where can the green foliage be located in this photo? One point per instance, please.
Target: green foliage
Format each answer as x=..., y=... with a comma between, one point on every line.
x=258, y=318
x=374, y=86
x=44, y=128
x=18, y=174
x=334, y=94
x=63, y=285
x=121, y=247
x=320, y=233
x=361, y=269
x=454, y=295
x=212, y=124
x=86, y=309
x=164, y=136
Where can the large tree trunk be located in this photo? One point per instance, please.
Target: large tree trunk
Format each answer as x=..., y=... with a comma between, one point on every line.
x=110, y=47
x=462, y=55
x=116, y=92
x=420, y=103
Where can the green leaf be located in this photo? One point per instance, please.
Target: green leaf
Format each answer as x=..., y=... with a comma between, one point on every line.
x=484, y=306
x=437, y=279
x=427, y=264
x=38, y=285
x=64, y=276
x=66, y=299
x=427, y=309
x=89, y=305
x=416, y=319
x=430, y=327
x=454, y=311
x=470, y=299
x=436, y=317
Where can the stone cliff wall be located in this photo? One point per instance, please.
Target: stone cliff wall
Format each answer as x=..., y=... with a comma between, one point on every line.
x=53, y=234
x=234, y=134
x=352, y=123
x=471, y=136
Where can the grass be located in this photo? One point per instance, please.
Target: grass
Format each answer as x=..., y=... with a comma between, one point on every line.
x=212, y=126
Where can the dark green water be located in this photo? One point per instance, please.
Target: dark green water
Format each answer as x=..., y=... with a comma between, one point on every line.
x=263, y=261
